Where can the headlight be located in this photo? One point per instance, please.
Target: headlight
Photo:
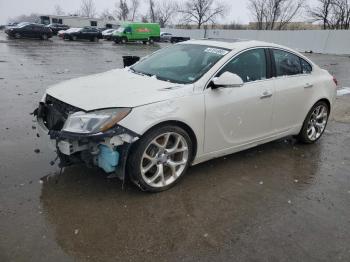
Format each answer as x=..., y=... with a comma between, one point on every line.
x=94, y=122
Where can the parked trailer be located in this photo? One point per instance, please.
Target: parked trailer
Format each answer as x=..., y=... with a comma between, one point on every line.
x=78, y=21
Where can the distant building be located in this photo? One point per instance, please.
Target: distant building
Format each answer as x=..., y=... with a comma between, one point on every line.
x=78, y=21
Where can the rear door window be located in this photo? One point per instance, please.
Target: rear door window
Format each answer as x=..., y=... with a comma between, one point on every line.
x=250, y=66
x=287, y=64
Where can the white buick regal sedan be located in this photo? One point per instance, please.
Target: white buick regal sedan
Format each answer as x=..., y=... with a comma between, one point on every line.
x=185, y=104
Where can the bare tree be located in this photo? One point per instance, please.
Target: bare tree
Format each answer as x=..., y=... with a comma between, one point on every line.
x=165, y=11
x=87, y=8
x=134, y=6
x=288, y=10
x=321, y=12
x=334, y=14
x=257, y=8
x=122, y=10
x=58, y=10
x=340, y=18
x=106, y=14
x=152, y=11
x=274, y=14
x=201, y=12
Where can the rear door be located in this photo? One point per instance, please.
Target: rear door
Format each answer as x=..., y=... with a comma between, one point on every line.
x=293, y=86
x=38, y=31
x=84, y=33
x=241, y=115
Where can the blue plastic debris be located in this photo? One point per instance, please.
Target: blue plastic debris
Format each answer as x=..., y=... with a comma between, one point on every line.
x=108, y=159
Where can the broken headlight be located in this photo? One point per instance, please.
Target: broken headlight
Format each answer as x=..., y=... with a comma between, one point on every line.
x=94, y=122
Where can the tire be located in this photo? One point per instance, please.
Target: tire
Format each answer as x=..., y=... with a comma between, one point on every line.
x=151, y=41
x=124, y=40
x=315, y=123
x=94, y=39
x=44, y=37
x=18, y=36
x=155, y=168
x=73, y=38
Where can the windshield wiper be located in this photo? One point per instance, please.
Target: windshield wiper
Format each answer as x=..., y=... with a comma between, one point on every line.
x=166, y=79
x=139, y=73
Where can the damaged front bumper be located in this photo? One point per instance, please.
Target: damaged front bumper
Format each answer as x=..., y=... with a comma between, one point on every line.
x=107, y=150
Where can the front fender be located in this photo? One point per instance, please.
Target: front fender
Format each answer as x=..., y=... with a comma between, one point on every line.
x=189, y=110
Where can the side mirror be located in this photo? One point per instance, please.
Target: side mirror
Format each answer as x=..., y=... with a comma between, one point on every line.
x=227, y=79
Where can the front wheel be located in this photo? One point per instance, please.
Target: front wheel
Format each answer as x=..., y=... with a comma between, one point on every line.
x=44, y=37
x=315, y=123
x=160, y=158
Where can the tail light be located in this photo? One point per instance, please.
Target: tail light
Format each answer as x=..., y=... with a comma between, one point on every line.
x=335, y=81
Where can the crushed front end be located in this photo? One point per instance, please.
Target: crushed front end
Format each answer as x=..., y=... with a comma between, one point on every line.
x=93, y=138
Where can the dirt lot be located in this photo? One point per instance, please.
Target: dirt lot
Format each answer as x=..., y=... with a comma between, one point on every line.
x=279, y=202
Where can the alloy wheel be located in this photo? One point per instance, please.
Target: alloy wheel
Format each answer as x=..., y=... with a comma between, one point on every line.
x=317, y=122
x=164, y=159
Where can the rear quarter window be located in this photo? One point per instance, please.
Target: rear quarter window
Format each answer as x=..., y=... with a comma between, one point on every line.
x=305, y=67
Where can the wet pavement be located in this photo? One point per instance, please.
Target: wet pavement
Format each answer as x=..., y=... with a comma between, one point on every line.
x=282, y=201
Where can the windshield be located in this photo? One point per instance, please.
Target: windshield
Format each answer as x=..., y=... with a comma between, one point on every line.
x=23, y=24
x=183, y=63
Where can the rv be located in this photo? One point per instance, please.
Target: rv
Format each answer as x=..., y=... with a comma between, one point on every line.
x=78, y=21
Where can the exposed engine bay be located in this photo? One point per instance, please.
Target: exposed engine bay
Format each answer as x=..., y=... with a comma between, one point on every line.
x=107, y=150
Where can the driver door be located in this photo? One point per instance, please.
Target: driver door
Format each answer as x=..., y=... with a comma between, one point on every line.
x=238, y=116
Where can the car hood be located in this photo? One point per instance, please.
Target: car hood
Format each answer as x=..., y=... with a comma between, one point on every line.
x=116, y=88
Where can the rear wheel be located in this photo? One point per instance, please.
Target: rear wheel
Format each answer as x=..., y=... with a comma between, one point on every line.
x=151, y=41
x=315, y=123
x=160, y=158
x=94, y=39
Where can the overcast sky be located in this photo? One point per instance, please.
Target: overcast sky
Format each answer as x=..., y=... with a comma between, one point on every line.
x=11, y=8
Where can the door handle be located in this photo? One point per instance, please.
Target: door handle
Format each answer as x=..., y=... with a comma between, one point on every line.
x=266, y=94
x=308, y=85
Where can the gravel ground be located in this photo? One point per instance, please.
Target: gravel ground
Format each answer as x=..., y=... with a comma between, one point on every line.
x=282, y=201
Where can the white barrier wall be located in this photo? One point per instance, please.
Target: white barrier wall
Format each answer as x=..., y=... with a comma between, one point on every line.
x=317, y=41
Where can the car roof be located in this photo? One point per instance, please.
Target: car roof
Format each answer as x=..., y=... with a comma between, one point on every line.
x=233, y=44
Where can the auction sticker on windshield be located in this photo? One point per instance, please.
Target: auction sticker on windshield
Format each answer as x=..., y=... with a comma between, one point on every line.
x=216, y=51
